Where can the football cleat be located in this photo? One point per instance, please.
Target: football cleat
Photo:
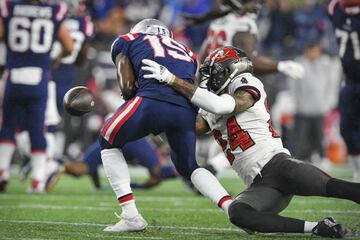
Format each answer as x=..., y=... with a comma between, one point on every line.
x=54, y=177
x=329, y=228
x=134, y=224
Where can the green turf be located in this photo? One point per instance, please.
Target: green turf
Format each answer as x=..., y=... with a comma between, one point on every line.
x=75, y=211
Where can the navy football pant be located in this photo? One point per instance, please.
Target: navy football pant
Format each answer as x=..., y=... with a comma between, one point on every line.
x=142, y=116
x=140, y=150
x=25, y=106
x=349, y=106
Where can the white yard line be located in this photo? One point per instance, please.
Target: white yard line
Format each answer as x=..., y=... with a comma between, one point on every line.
x=211, y=210
x=104, y=225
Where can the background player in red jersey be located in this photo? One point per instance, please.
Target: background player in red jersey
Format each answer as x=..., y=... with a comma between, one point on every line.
x=234, y=108
x=345, y=16
x=29, y=29
x=152, y=108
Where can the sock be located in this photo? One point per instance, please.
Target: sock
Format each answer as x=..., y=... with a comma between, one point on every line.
x=6, y=151
x=210, y=187
x=127, y=203
x=342, y=189
x=51, y=145
x=309, y=226
x=117, y=172
x=38, y=165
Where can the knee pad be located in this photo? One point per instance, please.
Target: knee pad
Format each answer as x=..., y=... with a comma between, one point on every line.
x=240, y=214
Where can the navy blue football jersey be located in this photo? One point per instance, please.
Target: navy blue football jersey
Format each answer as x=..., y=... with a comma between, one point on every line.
x=30, y=31
x=81, y=31
x=347, y=31
x=178, y=59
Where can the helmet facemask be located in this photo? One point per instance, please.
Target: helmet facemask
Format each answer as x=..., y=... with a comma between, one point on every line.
x=219, y=70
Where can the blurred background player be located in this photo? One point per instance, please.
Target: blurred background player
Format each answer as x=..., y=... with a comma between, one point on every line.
x=29, y=29
x=155, y=108
x=235, y=25
x=345, y=16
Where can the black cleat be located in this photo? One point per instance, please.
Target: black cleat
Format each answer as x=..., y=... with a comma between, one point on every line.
x=329, y=228
x=3, y=184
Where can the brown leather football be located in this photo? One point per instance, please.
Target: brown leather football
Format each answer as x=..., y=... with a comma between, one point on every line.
x=78, y=101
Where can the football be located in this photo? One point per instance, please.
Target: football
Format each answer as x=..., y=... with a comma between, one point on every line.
x=78, y=101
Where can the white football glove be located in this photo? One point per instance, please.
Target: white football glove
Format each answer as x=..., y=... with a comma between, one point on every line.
x=157, y=71
x=291, y=69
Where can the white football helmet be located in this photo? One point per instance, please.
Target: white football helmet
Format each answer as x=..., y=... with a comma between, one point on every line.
x=151, y=26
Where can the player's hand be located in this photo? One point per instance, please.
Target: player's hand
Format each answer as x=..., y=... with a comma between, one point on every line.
x=291, y=69
x=157, y=71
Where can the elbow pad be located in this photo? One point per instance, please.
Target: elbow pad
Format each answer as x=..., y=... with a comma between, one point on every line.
x=213, y=103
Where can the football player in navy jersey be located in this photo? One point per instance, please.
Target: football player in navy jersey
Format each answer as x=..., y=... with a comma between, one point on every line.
x=29, y=29
x=345, y=16
x=152, y=108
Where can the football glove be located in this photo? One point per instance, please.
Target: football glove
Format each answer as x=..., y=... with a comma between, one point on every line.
x=157, y=71
x=291, y=69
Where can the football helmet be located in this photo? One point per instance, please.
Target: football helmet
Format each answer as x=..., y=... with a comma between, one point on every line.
x=222, y=66
x=151, y=26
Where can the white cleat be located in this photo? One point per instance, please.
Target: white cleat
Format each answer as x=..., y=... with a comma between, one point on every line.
x=134, y=224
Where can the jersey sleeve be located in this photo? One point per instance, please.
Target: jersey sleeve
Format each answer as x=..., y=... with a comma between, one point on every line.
x=4, y=8
x=247, y=82
x=121, y=45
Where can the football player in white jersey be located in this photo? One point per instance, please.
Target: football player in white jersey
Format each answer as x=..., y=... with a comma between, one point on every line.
x=235, y=25
x=234, y=108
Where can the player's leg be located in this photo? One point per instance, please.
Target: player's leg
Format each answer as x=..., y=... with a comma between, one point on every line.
x=258, y=208
x=182, y=139
x=149, y=158
x=350, y=125
x=299, y=178
x=35, y=115
x=124, y=126
x=10, y=112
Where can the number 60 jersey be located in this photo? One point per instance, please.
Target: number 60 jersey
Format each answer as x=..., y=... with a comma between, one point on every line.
x=30, y=31
x=247, y=138
x=165, y=51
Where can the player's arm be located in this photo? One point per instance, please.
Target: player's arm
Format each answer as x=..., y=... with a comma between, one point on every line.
x=125, y=75
x=210, y=15
x=65, y=40
x=247, y=41
x=66, y=43
x=223, y=104
x=202, y=126
x=82, y=55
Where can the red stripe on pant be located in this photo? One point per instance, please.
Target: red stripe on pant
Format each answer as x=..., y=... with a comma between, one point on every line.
x=103, y=132
x=123, y=120
x=126, y=198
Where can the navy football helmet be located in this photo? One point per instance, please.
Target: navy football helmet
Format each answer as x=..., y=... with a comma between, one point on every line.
x=151, y=26
x=222, y=66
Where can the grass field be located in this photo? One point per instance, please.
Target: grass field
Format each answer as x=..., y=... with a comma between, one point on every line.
x=75, y=211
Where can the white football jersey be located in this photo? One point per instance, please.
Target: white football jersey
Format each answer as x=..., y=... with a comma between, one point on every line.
x=247, y=138
x=222, y=30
